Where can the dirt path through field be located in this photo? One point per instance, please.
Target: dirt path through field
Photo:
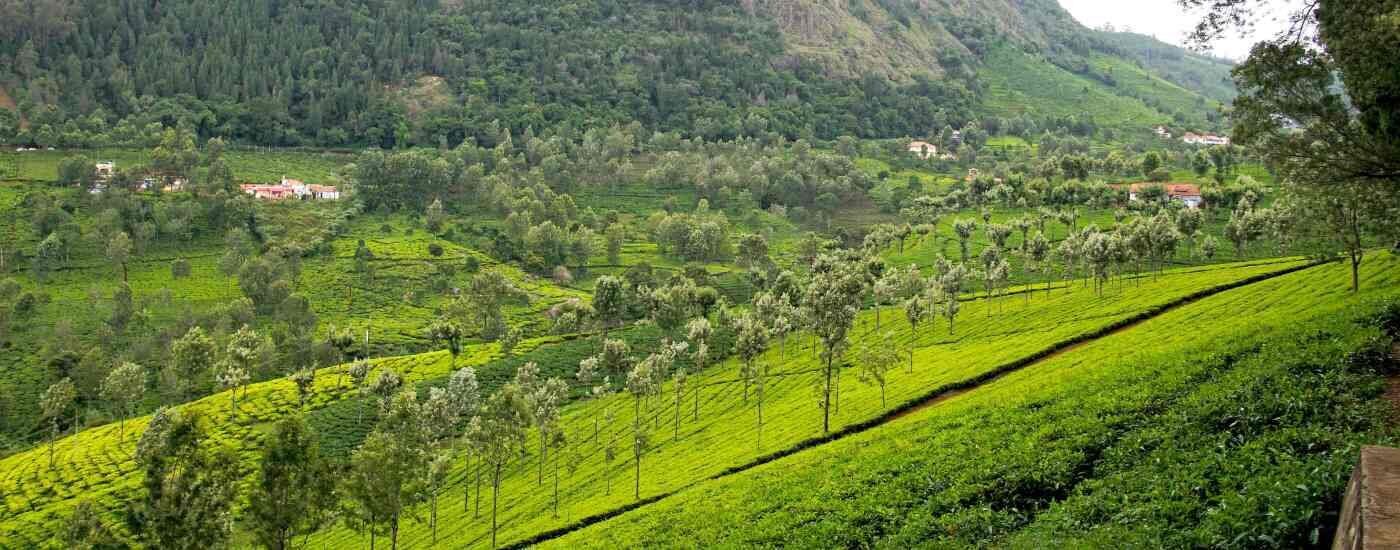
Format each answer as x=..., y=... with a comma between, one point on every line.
x=935, y=397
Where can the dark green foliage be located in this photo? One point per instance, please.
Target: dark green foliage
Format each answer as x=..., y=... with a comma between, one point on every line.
x=294, y=489
x=189, y=484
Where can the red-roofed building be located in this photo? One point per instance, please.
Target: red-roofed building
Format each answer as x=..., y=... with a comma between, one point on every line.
x=289, y=188
x=1186, y=193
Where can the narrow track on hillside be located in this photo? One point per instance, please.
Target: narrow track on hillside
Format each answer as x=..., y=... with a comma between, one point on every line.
x=930, y=399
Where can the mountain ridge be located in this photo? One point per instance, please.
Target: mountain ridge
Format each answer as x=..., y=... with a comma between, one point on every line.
x=326, y=74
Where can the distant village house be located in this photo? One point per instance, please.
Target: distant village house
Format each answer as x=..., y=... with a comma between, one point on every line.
x=1163, y=133
x=290, y=188
x=1204, y=139
x=1184, y=193
x=104, y=170
x=923, y=149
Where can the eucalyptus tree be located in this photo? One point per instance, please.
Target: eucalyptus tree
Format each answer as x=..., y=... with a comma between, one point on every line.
x=915, y=308
x=305, y=381
x=1024, y=225
x=641, y=383
x=240, y=356
x=440, y=415
x=1068, y=251
x=388, y=473
x=833, y=300
x=749, y=343
x=998, y=234
x=446, y=331
x=885, y=290
x=949, y=289
x=775, y=311
x=385, y=387
x=1098, y=254
x=294, y=489
x=590, y=375
x=991, y=260
x=1164, y=240
x=699, y=332
x=876, y=360
x=54, y=404
x=1188, y=224
x=464, y=394
x=1038, y=252
x=119, y=252
x=1209, y=246
x=546, y=398
x=123, y=388
x=615, y=358
x=191, y=358
x=609, y=302
x=189, y=484
x=964, y=228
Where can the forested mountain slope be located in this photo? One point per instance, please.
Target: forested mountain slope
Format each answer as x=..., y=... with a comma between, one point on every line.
x=428, y=72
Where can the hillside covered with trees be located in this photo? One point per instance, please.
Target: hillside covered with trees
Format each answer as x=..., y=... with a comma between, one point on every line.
x=430, y=73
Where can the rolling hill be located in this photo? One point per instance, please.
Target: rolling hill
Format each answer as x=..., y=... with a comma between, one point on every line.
x=93, y=73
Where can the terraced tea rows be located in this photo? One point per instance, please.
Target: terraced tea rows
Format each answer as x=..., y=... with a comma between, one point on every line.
x=1183, y=431
x=726, y=432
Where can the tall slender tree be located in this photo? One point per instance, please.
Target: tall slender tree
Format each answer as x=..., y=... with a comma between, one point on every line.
x=55, y=403
x=833, y=299
x=123, y=388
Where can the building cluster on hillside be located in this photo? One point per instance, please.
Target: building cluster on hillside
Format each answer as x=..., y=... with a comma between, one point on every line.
x=1192, y=138
x=292, y=189
x=1184, y=193
x=104, y=171
x=1204, y=139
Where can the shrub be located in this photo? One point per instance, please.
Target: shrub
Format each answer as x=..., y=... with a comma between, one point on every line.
x=435, y=249
x=180, y=268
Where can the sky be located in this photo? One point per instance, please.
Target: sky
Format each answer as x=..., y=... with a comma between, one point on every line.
x=1169, y=22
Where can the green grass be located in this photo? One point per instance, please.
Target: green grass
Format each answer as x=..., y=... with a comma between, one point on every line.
x=1233, y=421
x=94, y=464
x=263, y=165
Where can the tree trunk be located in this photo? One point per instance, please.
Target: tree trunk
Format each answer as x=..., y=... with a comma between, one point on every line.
x=1355, y=271
x=637, y=448
x=826, y=400
x=394, y=532
x=495, y=499
x=477, y=512
x=432, y=516
x=556, y=487
x=760, y=411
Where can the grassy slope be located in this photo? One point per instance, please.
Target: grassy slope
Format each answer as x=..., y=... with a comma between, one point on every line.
x=1018, y=83
x=95, y=465
x=726, y=433
x=1249, y=431
x=266, y=165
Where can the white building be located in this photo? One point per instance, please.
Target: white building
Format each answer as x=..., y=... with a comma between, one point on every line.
x=1205, y=139
x=923, y=149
